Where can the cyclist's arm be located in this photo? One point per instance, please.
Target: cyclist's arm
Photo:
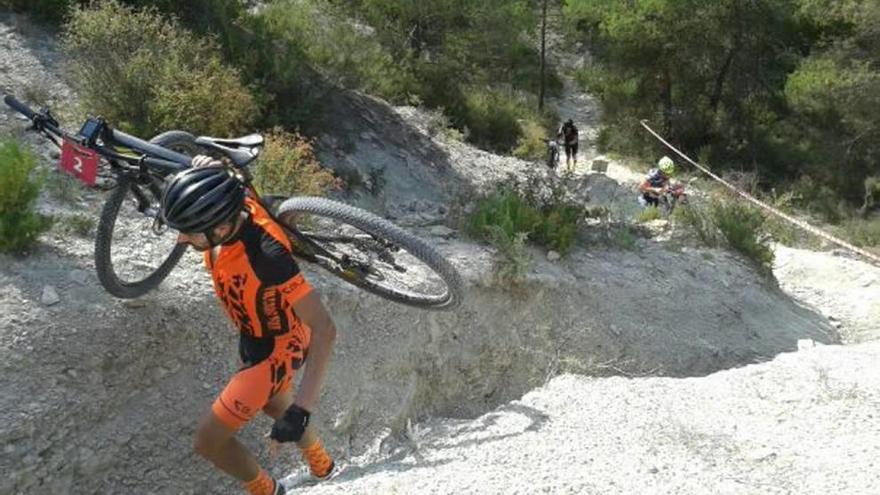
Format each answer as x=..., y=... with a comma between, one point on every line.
x=312, y=312
x=647, y=188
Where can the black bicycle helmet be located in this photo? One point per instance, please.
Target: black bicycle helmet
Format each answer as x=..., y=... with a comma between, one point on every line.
x=199, y=199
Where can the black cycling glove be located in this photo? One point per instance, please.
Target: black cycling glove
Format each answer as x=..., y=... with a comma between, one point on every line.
x=291, y=426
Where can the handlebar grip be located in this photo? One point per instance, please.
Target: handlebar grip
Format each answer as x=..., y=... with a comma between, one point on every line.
x=19, y=107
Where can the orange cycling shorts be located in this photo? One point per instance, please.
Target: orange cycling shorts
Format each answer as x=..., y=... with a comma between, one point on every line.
x=249, y=390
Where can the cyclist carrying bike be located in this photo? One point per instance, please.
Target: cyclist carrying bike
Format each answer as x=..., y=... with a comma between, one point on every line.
x=280, y=318
x=569, y=133
x=656, y=182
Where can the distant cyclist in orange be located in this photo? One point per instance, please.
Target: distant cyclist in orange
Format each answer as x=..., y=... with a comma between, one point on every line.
x=280, y=318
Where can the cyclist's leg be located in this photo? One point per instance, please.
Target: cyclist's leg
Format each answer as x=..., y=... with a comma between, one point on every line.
x=244, y=396
x=216, y=442
x=320, y=463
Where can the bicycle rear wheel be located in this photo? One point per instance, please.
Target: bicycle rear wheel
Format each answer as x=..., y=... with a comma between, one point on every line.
x=374, y=254
x=130, y=258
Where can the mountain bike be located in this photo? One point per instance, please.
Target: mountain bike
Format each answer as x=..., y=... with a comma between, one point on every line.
x=552, y=153
x=135, y=251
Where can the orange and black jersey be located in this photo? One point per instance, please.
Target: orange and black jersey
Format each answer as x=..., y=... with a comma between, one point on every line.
x=258, y=282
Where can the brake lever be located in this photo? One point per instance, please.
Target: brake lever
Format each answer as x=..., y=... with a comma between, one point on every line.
x=44, y=117
x=50, y=118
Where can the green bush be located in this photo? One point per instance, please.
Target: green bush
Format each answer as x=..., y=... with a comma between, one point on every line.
x=288, y=166
x=862, y=232
x=649, y=214
x=146, y=74
x=512, y=259
x=531, y=144
x=540, y=210
x=816, y=197
x=741, y=225
x=492, y=119
x=500, y=120
x=504, y=210
x=698, y=218
x=19, y=187
x=47, y=10
x=559, y=226
x=732, y=221
x=345, y=54
x=624, y=238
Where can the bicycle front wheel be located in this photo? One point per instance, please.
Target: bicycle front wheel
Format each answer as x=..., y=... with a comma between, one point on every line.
x=130, y=257
x=374, y=254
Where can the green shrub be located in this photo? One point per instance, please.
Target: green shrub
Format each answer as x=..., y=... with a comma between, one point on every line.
x=189, y=100
x=146, y=74
x=862, y=232
x=512, y=260
x=741, y=225
x=288, y=166
x=815, y=196
x=492, y=119
x=326, y=39
x=698, y=218
x=62, y=186
x=19, y=187
x=505, y=220
x=437, y=123
x=540, y=210
x=624, y=238
x=531, y=144
x=729, y=221
x=559, y=226
x=649, y=214
x=503, y=210
x=732, y=221
x=502, y=120
x=81, y=225
x=47, y=10
x=78, y=224
x=783, y=232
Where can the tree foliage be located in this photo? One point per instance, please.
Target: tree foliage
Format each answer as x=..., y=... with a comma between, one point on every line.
x=783, y=87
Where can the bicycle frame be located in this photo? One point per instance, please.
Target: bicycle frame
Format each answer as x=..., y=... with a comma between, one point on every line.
x=149, y=168
x=144, y=169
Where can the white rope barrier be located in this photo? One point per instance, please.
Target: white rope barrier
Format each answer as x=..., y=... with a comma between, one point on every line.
x=804, y=225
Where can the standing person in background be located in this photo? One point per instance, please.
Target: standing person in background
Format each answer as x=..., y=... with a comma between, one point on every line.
x=570, y=135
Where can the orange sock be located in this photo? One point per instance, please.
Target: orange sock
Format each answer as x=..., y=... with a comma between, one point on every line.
x=320, y=463
x=263, y=484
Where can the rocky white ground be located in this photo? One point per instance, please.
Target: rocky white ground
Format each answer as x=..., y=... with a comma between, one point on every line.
x=102, y=396
x=804, y=423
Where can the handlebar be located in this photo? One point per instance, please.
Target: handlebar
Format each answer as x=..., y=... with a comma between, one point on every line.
x=156, y=156
x=19, y=107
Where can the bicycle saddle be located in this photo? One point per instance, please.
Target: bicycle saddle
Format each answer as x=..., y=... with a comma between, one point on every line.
x=242, y=151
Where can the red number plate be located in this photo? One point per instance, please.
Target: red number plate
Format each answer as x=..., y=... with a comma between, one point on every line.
x=80, y=161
